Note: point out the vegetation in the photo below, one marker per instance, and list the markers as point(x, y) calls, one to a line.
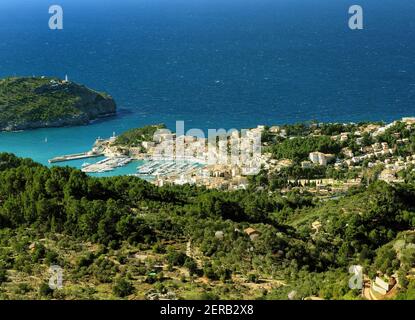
point(122, 237)
point(123, 288)
point(28, 103)
point(299, 148)
point(134, 137)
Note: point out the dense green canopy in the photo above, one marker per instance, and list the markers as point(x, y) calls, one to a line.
point(27, 103)
point(361, 227)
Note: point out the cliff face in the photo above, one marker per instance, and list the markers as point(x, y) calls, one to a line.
point(29, 103)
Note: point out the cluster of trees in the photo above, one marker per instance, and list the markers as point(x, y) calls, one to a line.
point(357, 228)
point(299, 148)
point(134, 137)
point(66, 200)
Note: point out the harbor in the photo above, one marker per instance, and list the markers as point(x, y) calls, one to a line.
point(150, 160)
point(166, 168)
point(106, 165)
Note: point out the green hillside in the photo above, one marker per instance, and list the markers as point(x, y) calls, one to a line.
point(28, 103)
point(122, 237)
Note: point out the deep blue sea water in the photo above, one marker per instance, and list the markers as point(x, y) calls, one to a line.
point(213, 63)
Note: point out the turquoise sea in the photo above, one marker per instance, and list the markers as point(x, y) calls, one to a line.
point(212, 63)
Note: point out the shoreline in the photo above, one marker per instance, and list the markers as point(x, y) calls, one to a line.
point(90, 122)
point(36, 155)
point(224, 173)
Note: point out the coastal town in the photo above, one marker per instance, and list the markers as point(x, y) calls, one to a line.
point(360, 151)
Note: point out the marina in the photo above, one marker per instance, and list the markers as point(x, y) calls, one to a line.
point(166, 168)
point(106, 165)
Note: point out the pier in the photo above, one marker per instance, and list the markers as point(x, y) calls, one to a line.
point(108, 164)
point(76, 156)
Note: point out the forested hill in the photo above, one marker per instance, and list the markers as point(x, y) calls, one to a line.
point(96, 228)
point(28, 103)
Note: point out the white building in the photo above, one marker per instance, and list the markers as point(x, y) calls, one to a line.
point(320, 158)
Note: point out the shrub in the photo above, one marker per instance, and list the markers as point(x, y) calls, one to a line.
point(122, 288)
point(3, 276)
point(45, 290)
